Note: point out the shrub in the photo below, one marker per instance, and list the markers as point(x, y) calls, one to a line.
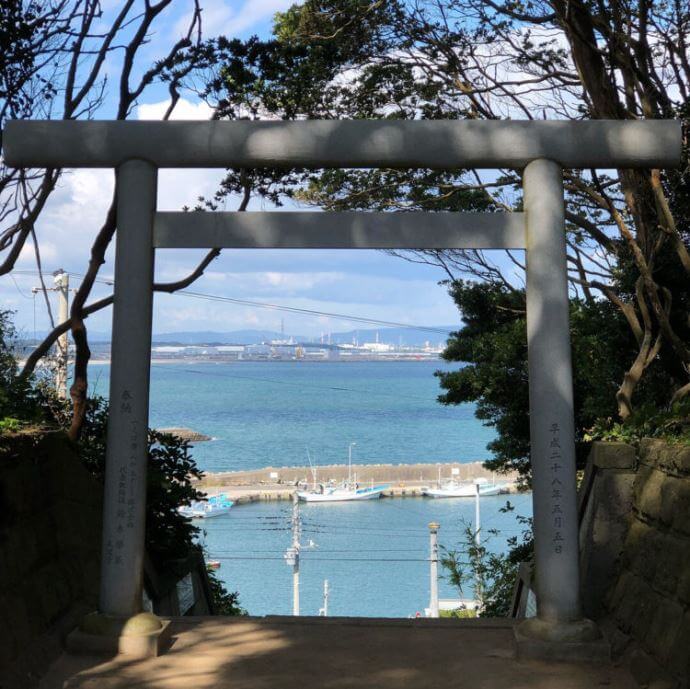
point(492, 575)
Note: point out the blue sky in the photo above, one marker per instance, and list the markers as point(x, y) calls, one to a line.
point(363, 283)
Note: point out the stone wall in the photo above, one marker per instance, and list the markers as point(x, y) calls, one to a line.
point(50, 531)
point(605, 506)
point(649, 598)
point(50, 536)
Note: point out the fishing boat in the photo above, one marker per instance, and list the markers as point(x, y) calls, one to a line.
point(344, 491)
point(452, 488)
point(347, 490)
point(204, 509)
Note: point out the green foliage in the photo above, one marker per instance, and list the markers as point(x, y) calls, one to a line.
point(492, 575)
point(493, 345)
point(11, 425)
point(169, 475)
point(292, 74)
point(647, 421)
point(458, 614)
point(23, 23)
point(20, 399)
point(170, 537)
point(225, 603)
point(170, 472)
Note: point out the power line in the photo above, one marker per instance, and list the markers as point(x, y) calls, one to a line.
point(311, 312)
point(320, 550)
point(21, 294)
point(330, 559)
point(275, 307)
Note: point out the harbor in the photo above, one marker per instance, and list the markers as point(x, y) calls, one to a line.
point(401, 480)
point(263, 431)
point(373, 553)
point(492, 196)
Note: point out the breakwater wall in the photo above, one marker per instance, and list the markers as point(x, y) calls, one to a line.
point(405, 480)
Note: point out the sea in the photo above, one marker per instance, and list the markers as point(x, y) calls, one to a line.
point(373, 554)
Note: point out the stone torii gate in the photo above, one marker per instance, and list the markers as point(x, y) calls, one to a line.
point(541, 149)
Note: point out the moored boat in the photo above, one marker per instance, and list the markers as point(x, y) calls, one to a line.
point(347, 490)
point(204, 509)
point(344, 491)
point(457, 489)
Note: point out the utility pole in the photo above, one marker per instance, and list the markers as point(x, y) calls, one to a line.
point(478, 542)
point(61, 282)
point(326, 593)
point(61, 286)
point(477, 516)
point(292, 554)
point(433, 558)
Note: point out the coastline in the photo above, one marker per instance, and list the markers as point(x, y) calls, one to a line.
point(219, 360)
point(405, 480)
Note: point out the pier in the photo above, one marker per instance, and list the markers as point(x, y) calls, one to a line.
point(404, 480)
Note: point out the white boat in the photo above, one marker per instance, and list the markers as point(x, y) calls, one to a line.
point(457, 489)
point(347, 490)
point(344, 491)
point(204, 509)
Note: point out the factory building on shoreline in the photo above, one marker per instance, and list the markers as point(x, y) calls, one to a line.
point(287, 350)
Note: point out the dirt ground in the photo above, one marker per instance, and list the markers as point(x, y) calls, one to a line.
point(333, 653)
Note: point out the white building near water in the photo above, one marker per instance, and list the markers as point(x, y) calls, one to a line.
point(377, 347)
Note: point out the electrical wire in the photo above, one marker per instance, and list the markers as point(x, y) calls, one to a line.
point(311, 312)
point(21, 294)
point(323, 550)
point(329, 559)
point(274, 307)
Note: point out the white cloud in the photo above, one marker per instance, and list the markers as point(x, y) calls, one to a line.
point(419, 305)
point(184, 110)
point(298, 282)
point(90, 188)
point(224, 17)
point(215, 15)
point(255, 11)
point(177, 188)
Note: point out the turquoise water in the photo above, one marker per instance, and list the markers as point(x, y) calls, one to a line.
point(373, 553)
point(267, 413)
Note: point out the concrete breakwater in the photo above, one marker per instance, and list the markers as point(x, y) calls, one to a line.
point(405, 480)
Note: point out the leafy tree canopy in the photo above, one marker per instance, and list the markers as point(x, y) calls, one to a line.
point(628, 232)
point(493, 345)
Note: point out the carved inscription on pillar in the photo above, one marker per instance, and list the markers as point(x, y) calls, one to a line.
point(556, 472)
point(127, 477)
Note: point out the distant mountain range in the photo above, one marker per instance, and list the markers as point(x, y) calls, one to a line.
point(394, 336)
